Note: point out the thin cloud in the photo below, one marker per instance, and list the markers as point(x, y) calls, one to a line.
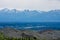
point(53, 0)
point(44, 5)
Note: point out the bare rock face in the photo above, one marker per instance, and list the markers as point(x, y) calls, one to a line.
point(41, 35)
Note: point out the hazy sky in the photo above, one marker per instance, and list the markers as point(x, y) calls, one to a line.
point(43, 5)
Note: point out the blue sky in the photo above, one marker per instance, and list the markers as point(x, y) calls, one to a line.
point(43, 5)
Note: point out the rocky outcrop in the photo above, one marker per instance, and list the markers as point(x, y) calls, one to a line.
point(41, 35)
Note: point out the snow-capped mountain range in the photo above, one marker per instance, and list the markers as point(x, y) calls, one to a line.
point(14, 15)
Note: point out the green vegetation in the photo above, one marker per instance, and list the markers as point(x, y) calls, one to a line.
point(2, 37)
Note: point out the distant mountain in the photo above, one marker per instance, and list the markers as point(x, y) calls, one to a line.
point(14, 15)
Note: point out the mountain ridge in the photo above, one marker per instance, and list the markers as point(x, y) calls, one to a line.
point(15, 15)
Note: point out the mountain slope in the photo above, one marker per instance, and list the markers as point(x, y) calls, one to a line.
point(39, 35)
